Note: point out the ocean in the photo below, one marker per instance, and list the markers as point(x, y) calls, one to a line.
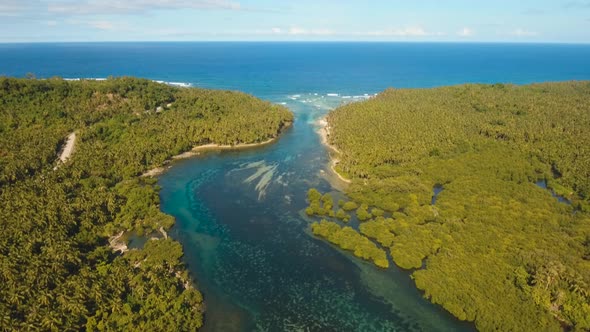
point(246, 241)
point(274, 69)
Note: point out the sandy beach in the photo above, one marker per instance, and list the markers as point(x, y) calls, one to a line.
point(217, 147)
point(197, 150)
point(324, 132)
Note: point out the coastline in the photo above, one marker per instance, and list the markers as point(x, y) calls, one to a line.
point(197, 150)
point(333, 152)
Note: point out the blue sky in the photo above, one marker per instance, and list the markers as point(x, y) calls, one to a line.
point(304, 20)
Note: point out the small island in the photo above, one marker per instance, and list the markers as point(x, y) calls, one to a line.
point(71, 158)
point(482, 192)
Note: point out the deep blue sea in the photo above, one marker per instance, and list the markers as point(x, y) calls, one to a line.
point(239, 214)
point(270, 69)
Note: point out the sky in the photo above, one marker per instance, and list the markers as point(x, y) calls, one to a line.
point(565, 21)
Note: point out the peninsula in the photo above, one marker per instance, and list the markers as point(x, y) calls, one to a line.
point(65, 262)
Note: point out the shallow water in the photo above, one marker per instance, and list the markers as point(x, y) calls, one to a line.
point(543, 185)
point(249, 248)
point(436, 190)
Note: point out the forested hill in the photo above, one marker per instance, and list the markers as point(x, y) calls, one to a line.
point(57, 270)
point(494, 246)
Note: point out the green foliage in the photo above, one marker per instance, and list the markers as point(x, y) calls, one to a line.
point(110, 115)
point(379, 229)
point(377, 212)
point(313, 195)
point(57, 269)
point(349, 206)
point(149, 305)
point(362, 212)
point(328, 202)
point(320, 205)
point(349, 239)
point(492, 237)
point(342, 215)
point(139, 207)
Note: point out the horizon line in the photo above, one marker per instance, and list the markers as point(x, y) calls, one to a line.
point(301, 41)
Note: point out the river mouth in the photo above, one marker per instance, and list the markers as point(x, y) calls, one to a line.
point(271, 71)
point(249, 248)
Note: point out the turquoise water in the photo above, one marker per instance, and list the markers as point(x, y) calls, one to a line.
point(239, 213)
point(247, 244)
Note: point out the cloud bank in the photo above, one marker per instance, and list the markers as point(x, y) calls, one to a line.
point(385, 33)
point(96, 7)
point(466, 32)
point(523, 33)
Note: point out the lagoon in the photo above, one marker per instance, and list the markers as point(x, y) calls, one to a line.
point(239, 217)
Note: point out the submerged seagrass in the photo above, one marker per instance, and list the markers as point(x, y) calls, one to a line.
point(490, 245)
point(58, 270)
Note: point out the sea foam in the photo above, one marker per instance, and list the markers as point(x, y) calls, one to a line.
point(178, 84)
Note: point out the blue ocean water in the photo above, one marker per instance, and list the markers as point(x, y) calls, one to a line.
point(239, 214)
point(266, 69)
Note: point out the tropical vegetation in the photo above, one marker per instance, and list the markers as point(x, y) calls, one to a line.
point(506, 243)
point(58, 269)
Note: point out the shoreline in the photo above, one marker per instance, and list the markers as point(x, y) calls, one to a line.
point(197, 150)
point(324, 132)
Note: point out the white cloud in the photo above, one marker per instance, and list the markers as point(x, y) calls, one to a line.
point(311, 32)
point(102, 25)
point(15, 7)
point(523, 33)
point(96, 7)
point(295, 31)
point(51, 23)
point(409, 32)
point(466, 32)
point(403, 32)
